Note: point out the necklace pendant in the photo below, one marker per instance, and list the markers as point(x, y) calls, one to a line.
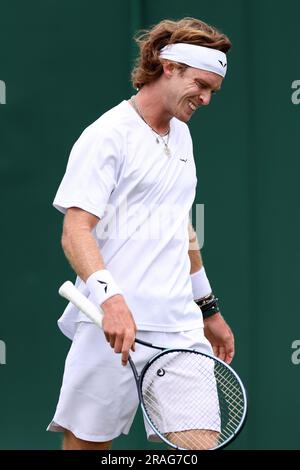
point(167, 151)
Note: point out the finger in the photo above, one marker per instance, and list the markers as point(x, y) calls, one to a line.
point(216, 350)
point(112, 339)
point(229, 357)
point(128, 342)
point(133, 347)
point(229, 350)
point(125, 355)
point(222, 353)
point(118, 344)
point(229, 353)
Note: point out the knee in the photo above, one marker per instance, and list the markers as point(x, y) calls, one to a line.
point(72, 442)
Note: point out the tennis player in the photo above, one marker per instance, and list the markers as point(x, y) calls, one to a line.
point(128, 188)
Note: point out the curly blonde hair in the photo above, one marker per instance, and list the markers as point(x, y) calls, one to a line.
point(148, 66)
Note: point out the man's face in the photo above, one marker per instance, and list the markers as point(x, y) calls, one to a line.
point(189, 90)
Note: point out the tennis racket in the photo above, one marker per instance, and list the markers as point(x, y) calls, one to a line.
point(191, 400)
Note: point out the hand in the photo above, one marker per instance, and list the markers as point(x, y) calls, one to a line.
point(119, 326)
point(220, 336)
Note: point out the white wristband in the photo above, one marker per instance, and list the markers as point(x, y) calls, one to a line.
point(200, 283)
point(102, 286)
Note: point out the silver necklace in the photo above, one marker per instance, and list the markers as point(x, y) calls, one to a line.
point(158, 136)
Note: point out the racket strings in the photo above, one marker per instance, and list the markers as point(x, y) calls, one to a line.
point(231, 398)
point(192, 400)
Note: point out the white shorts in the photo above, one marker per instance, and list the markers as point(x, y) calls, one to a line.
point(98, 398)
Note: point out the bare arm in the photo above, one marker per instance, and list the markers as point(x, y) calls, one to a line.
point(83, 253)
point(194, 252)
point(79, 245)
point(215, 328)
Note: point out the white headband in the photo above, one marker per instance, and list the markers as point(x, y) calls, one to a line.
point(200, 57)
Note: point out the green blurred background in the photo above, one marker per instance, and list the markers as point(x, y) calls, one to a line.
point(64, 63)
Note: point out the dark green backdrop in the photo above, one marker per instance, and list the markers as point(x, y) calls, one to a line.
point(64, 63)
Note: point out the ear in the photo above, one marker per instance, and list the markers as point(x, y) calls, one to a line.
point(169, 68)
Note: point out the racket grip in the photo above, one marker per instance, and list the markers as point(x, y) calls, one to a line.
point(71, 293)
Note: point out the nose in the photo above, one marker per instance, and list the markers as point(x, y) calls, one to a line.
point(205, 98)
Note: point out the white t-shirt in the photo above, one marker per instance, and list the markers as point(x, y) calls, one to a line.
point(118, 170)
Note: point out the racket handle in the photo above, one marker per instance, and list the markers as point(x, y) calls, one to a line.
point(71, 293)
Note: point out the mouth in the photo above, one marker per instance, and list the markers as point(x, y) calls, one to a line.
point(193, 106)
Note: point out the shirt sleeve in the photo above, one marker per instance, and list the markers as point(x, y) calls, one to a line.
point(92, 172)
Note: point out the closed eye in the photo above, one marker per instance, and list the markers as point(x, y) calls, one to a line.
point(200, 85)
point(203, 86)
